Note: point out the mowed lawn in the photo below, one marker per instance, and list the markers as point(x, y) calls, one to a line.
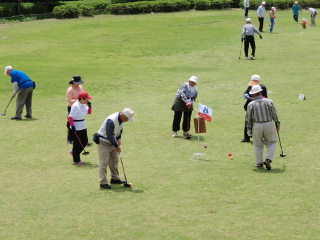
point(140, 61)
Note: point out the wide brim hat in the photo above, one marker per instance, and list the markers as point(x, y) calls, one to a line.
point(255, 89)
point(76, 79)
point(194, 79)
point(255, 80)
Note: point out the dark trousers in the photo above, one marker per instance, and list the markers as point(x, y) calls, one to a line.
point(295, 17)
point(246, 12)
point(79, 146)
point(185, 123)
point(245, 131)
point(261, 20)
point(249, 39)
point(70, 132)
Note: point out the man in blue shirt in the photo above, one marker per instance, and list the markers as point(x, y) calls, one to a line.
point(295, 9)
point(23, 86)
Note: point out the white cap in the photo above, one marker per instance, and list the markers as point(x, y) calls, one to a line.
point(263, 3)
point(129, 114)
point(193, 79)
point(255, 78)
point(248, 20)
point(7, 69)
point(255, 89)
point(274, 9)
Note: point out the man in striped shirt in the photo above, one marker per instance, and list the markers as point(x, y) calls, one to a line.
point(260, 114)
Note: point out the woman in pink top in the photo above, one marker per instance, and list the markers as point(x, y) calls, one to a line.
point(72, 96)
point(272, 18)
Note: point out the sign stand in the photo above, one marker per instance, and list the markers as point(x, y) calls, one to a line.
point(200, 127)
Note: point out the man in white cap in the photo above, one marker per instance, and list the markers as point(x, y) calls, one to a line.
point(261, 15)
point(183, 104)
point(260, 114)
point(109, 146)
point(255, 80)
point(248, 37)
point(23, 86)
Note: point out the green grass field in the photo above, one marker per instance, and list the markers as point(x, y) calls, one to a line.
point(139, 62)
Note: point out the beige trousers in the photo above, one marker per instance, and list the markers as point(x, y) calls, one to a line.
point(264, 134)
point(108, 156)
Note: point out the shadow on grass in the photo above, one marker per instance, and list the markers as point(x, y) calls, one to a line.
point(87, 165)
point(121, 188)
point(30, 119)
point(273, 170)
point(192, 139)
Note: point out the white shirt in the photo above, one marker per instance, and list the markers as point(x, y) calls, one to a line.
point(79, 112)
point(246, 4)
point(261, 11)
point(312, 11)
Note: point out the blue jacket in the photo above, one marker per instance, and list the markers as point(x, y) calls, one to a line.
point(296, 9)
point(21, 78)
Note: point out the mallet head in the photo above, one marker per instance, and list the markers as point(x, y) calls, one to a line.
point(128, 185)
point(85, 153)
point(282, 155)
point(3, 114)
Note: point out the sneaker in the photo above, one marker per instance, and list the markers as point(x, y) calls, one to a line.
point(245, 140)
point(27, 116)
point(116, 181)
point(105, 186)
point(175, 135)
point(16, 118)
point(267, 162)
point(246, 58)
point(186, 134)
point(252, 57)
point(79, 163)
point(71, 152)
point(259, 165)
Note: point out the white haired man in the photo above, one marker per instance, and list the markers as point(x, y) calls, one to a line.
point(260, 114)
point(23, 86)
point(248, 37)
point(109, 146)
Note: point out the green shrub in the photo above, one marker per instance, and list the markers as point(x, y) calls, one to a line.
point(211, 4)
point(8, 9)
point(66, 11)
point(98, 6)
point(32, 8)
point(148, 6)
point(86, 11)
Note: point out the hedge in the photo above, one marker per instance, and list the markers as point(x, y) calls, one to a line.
point(148, 7)
point(211, 4)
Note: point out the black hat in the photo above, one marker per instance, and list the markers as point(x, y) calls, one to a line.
point(76, 79)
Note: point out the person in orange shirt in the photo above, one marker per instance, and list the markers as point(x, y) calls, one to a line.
point(72, 96)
